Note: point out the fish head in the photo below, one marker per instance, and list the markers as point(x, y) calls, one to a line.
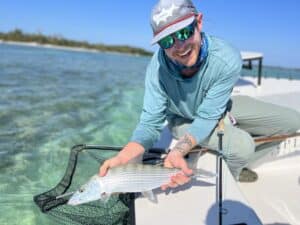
point(88, 192)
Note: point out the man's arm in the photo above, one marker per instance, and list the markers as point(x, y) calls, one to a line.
point(215, 102)
point(153, 115)
point(151, 121)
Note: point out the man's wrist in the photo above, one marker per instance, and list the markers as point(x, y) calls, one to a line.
point(175, 151)
point(130, 151)
point(184, 144)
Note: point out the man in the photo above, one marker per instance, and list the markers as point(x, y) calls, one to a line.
point(189, 83)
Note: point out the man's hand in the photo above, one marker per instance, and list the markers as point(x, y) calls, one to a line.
point(110, 163)
point(128, 153)
point(176, 159)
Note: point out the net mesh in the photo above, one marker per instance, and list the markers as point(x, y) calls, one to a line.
point(84, 160)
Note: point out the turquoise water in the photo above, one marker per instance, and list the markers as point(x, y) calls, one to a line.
point(51, 100)
point(274, 72)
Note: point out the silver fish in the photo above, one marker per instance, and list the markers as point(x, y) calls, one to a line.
point(128, 178)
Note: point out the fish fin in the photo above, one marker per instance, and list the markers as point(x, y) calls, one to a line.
point(192, 159)
point(150, 195)
point(105, 197)
point(202, 173)
point(192, 162)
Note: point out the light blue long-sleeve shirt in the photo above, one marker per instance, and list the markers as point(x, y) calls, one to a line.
point(200, 100)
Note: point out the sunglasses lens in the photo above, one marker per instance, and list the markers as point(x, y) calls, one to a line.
point(185, 33)
point(166, 42)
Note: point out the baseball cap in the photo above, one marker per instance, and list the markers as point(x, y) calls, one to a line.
point(169, 16)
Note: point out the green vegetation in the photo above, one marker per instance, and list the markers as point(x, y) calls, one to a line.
point(19, 36)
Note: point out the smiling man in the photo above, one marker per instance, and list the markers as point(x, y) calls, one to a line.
point(188, 83)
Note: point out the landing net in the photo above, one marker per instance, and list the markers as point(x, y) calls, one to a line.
point(83, 163)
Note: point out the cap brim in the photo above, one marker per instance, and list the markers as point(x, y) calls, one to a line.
point(171, 29)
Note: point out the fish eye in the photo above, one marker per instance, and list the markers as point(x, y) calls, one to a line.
point(81, 190)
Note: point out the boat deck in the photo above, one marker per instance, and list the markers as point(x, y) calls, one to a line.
point(273, 199)
point(278, 91)
point(195, 203)
point(275, 196)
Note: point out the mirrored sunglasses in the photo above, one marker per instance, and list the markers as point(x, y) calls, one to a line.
point(181, 35)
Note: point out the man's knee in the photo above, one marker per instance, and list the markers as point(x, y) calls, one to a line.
point(239, 147)
point(237, 143)
point(293, 122)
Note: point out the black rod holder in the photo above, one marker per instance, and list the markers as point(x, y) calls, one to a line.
point(220, 171)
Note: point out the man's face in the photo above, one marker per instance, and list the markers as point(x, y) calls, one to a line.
point(186, 52)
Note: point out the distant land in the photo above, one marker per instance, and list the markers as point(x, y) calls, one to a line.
point(18, 35)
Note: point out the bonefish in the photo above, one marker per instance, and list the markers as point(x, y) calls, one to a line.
point(127, 179)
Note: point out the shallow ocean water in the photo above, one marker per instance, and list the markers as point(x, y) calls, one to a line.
point(51, 100)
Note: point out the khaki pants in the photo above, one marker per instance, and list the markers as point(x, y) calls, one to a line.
point(254, 118)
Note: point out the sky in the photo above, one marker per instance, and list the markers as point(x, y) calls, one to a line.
point(268, 26)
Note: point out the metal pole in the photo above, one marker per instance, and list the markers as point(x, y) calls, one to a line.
point(219, 170)
point(259, 71)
